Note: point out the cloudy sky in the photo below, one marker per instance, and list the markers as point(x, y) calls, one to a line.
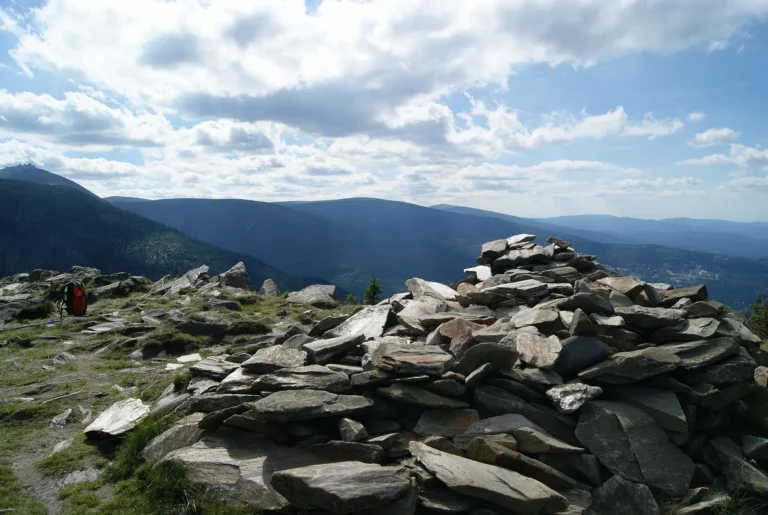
point(645, 108)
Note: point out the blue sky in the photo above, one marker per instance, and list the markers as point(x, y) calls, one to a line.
point(641, 108)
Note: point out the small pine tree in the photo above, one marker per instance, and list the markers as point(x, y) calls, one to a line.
point(373, 291)
point(351, 299)
point(757, 316)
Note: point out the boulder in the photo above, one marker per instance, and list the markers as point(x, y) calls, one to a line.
point(662, 405)
point(540, 318)
point(579, 353)
point(617, 496)
point(690, 330)
point(538, 351)
point(323, 351)
point(501, 424)
point(531, 441)
point(274, 358)
point(269, 289)
point(370, 321)
point(326, 324)
point(521, 494)
point(741, 475)
point(290, 406)
point(118, 419)
point(420, 288)
point(629, 286)
point(699, 354)
point(184, 434)
point(412, 359)
point(214, 367)
point(236, 277)
point(445, 422)
point(499, 356)
point(630, 367)
point(629, 443)
point(409, 394)
point(310, 377)
point(581, 325)
point(343, 487)
point(735, 369)
point(352, 430)
point(569, 398)
point(588, 302)
point(318, 295)
point(650, 318)
point(695, 293)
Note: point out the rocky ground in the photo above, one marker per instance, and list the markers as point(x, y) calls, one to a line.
point(542, 383)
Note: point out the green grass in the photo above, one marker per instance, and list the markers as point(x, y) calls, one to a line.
point(741, 503)
point(12, 498)
point(35, 311)
point(128, 458)
point(78, 456)
point(181, 380)
point(17, 433)
point(172, 342)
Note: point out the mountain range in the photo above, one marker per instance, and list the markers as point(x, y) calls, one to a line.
point(345, 241)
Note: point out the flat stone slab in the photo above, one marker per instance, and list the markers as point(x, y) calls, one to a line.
point(274, 358)
point(118, 419)
point(702, 353)
point(310, 377)
point(488, 482)
point(324, 351)
point(412, 359)
point(630, 367)
point(409, 394)
point(343, 487)
point(371, 322)
point(447, 422)
point(289, 406)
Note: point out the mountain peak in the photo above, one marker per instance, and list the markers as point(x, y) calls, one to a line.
point(31, 173)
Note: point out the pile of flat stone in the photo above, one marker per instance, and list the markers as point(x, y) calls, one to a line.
point(542, 383)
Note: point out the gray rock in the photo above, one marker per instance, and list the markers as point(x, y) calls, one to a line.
point(735, 369)
point(344, 487)
point(62, 446)
point(181, 435)
point(517, 257)
point(489, 483)
point(445, 422)
point(274, 358)
point(540, 379)
point(326, 324)
point(371, 378)
point(323, 351)
point(413, 395)
point(629, 443)
point(412, 359)
point(218, 402)
point(619, 300)
point(518, 388)
point(493, 249)
point(60, 420)
point(581, 467)
point(500, 357)
point(236, 277)
point(493, 453)
point(200, 385)
point(310, 377)
point(531, 441)
point(420, 288)
point(581, 325)
point(650, 318)
point(540, 318)
point(755, 447)
point(81, 476)
point(588, 303)
point(695, 293)
point(443, 500)
point(617, 496)
point(629, 286)
point(699, 354)
point(477, 375)
point(449, 387)
point(336, 450)
point(578, 353)
point(289, 406)
point(298, 341)
point(501, 424)
point(738, 331)
point(63, 358)
point(690, 330)
point(118, 419)
point(226, 304)
point(269, 289)
point(352, 430)
point(214, 367)
point(604, 321)
point(481, 272)
point(538, 351)
point(630, 367)
point(662, 405)
point(569, 398)
point(741, 474)
point(557, 242)
point(371, 322)
point(317, 295)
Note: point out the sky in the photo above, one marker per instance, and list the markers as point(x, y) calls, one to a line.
point(641, 108)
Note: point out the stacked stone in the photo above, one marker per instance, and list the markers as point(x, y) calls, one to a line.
point(543, 383)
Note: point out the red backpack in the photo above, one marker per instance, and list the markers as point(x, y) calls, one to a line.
point(74, 299)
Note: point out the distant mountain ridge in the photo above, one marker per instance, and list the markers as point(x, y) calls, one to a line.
point(31, 173)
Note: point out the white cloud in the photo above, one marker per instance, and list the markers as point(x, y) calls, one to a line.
point(741, 155)
point(746, 184)
point(696, 116)
point(717, 44)
point(712, 137)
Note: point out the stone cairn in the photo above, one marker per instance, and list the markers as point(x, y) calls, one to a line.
point(543, 383)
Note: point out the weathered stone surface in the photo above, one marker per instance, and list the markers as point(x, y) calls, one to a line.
point(490, 452)
point(182, 435)
point(449, 387)
point(741, 474)
point(310, 377)
point(416, 396)
point(489, 483)
point(690, 330)
point(238, 382)
point(698, 354)
point(499, 356)
point(630, 367)
point(477, 375)
point(370, 321)
point(298, 341)
point(540, 318)
point(326, 324)
point(755, 447)
point(629, 443)
point(445, 422)
point(579, 353)
point(214, 367)
point(581, 325)
point(581, 467)
point(236, 277)
point(518, 388)
point(269, 289)
point(118, 419)
point(662, 405)
point(538, 351)
point(480, 272)
point(629, 286)
point(650, 318)
point(218, 402)
point(738, 331)
point(289, 406)
point(352, 430)
point(442, 444)
point(531, 441)
point(344, 487)
point(695, 293)
point(588, 303)
point(493, 249)
point(318, 295)
point(604, 321)
point(619, 300)
point(569, 398)
point(412, 359)
point(443, 500)
point(420, 288)
point(501, 424)
point(735, 369)
point(323, 351)
point(618, 496)
point(274, 358)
